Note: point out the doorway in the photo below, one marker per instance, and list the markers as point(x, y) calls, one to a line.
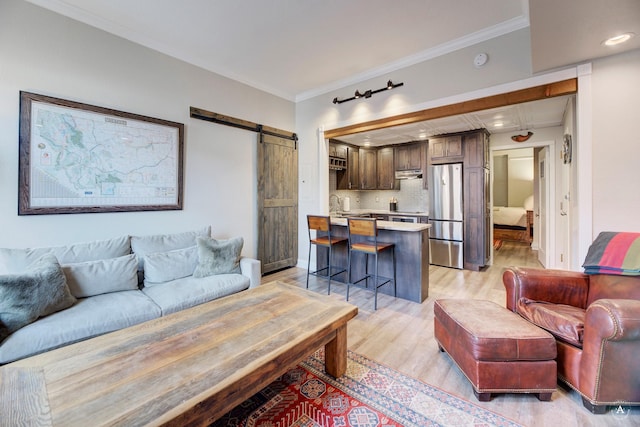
point(543, 186)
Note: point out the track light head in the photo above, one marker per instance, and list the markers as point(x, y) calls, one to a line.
point(389, 85)
point(367, 94)
point(335, 100)
point(357, 94)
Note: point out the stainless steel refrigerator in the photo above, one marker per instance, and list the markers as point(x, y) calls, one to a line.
point(446, 215)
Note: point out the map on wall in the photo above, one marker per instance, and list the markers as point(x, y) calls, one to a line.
point(80, 158)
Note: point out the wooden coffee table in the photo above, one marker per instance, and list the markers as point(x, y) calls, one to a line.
point(190, 367)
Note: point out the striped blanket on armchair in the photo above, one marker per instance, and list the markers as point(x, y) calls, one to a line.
point(614, 253)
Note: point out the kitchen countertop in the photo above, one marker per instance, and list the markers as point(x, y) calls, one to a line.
point(382, 212)
point(388, 225)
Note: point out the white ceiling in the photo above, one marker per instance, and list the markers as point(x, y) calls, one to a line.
point(297, 49)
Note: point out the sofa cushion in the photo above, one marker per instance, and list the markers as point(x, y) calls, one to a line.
point(39, 291)
point(218, 256)
point(90, 278)
point(163, 267)
point(189, 291)
point(153, 243)
point(562, 321)
point(88, 318)
point(16, 260)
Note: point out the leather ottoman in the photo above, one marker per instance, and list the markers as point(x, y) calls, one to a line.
point(496, 349)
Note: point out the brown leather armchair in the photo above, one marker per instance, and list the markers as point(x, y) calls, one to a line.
point(599, 347)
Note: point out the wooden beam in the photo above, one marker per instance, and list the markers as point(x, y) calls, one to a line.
point(565, 87)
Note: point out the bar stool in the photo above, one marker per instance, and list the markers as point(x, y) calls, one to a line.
point(367, 228)
point(322, 226)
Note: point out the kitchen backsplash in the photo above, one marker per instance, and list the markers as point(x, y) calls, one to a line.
point(411, 196)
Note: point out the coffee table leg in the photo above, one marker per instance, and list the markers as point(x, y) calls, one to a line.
point(335, 353)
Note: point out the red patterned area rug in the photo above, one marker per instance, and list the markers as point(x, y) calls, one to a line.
point(368, 395)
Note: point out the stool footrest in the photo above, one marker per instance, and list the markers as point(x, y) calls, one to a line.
point(385, 280)
point(335, 270)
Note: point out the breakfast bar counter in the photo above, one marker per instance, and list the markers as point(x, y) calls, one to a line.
point(412, 257)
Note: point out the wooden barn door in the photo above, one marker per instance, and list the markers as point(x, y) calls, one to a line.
point(277, 202)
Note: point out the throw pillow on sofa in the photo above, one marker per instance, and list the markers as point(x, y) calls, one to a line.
point(149, 244)
point(86, 279)
point(17, 260)
point(37, 292)
point(163, 267)
point(218, 256)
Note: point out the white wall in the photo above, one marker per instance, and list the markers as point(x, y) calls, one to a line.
point(602, 187)
point(616, 143)
point(519, 175)
point(46, 53)
point(440, 81)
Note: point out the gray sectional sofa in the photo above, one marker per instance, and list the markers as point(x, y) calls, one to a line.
point(113, 284)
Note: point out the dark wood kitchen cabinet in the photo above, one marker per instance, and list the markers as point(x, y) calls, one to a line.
point(337, 150)
point(349, 178)
point(476, 149)
point(408, 156)
point(368, 164)
point(337, 156)
point(477, 216)
point(386, 171)
point(446, 149)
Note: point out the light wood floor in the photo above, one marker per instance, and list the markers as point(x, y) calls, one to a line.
point(400, 335)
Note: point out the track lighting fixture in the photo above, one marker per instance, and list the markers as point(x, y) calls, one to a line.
point(368, 93)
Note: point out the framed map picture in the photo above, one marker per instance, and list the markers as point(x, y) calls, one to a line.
point(79, 158)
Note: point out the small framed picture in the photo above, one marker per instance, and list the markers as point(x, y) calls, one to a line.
point(566, 148)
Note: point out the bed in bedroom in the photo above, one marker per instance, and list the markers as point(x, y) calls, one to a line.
point(512, 223)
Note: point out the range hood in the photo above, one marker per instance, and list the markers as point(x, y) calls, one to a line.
point(409, 174)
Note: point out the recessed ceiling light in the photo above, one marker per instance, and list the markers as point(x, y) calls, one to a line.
point(498, 124)
point(612, 41)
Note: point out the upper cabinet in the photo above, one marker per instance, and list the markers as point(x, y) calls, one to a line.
point(337, 150)
point(408, 156)
point(344, 159)
point(446, 149)
point(337, 156)
point(360, 168)
point(476, 149)
point(368, 169)
point(386, 170)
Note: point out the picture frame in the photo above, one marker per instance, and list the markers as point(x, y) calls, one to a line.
point(566, 148)
point(81, 158)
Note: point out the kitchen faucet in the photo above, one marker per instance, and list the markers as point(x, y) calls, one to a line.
point(334, 205)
